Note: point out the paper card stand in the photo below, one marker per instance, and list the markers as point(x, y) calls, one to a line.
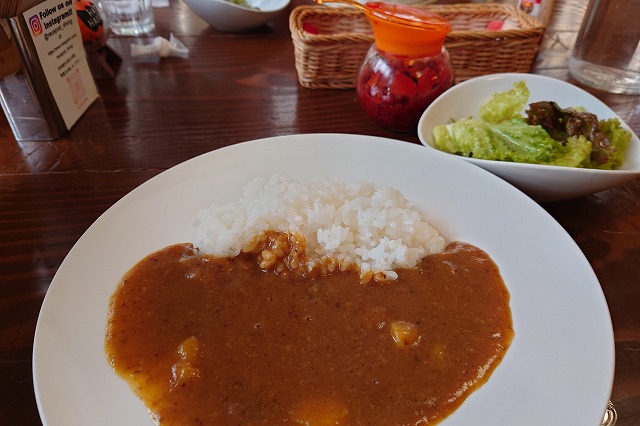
point(46, 81)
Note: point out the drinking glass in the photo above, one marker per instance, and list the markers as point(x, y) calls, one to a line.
point(606, 55)
point(128, 17)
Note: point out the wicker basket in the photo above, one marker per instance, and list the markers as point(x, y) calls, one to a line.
point(330, 42)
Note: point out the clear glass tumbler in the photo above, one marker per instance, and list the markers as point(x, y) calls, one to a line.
point(606, 55)
point(128, 17)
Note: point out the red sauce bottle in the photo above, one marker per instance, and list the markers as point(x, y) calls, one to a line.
point(406, 68)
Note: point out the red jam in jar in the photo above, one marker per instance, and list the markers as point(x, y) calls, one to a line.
point(406, 69)
point(395, 90)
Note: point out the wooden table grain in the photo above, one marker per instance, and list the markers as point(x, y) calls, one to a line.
point(157, 113)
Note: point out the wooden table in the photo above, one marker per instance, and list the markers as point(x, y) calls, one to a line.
point(237, 87)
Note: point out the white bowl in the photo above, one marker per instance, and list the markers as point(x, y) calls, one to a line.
point(230, 17)
point(540, 182)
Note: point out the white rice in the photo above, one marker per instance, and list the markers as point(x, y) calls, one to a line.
point(376, 229)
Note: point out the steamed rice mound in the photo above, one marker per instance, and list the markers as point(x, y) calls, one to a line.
point(375, 229)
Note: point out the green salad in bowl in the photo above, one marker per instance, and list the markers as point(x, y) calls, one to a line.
point(548, 134)
point(549, 138)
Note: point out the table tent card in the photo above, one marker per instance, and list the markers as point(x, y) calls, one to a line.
point(46, 93)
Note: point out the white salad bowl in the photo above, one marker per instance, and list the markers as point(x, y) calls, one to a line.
point(226, 16)
point(542, 183)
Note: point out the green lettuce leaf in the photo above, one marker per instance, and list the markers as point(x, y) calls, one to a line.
point(574, 154)
point(511, 140)
point(619, 139)
point(506, 105)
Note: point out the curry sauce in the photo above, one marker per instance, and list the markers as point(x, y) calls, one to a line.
point(220, 341)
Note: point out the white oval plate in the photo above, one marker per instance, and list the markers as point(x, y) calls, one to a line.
point(558, 371)
point(543, 183)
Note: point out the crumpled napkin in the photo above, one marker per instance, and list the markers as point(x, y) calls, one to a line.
point(161, 47)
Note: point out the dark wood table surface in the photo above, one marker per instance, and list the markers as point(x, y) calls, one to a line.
point(157, 113)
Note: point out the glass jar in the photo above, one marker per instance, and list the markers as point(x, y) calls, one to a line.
point(406, 68)
point(395, 90)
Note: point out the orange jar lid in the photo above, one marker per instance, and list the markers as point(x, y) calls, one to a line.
point(405, 30)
